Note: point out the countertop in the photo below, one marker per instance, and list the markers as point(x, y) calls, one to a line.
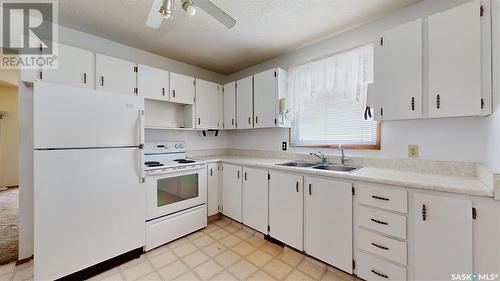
point(444, 183)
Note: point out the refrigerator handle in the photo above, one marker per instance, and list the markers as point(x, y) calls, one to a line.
point(141, 147)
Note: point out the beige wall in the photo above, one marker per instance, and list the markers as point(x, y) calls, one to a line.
point(9, 136)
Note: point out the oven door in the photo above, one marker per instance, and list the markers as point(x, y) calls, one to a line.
point(174, 191)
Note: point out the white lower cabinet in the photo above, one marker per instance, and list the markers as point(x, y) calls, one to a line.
point(255, 198)
point(232, 191)
point(286, 208)
point(443, 237)
point(213, 189)
point(328, 221)
point(373, 268)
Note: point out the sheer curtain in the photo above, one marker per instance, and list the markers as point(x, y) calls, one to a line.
point(328, 98)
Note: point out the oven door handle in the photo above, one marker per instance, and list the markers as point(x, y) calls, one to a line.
point(170, 171)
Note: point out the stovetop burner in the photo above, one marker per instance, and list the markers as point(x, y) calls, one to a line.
point(184, 161)
point(153, 164)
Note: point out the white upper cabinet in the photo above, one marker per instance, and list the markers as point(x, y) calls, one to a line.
point(115, 75)
point(443, 237)
point(454, 41)
point(398, 73)
point(232, 191)
point(229, 92)
point(221, 108)
point(328, 221)
point(255, 198)
point(244, 103)
point(207, 104)
point(182, 89)
point(286, 208)
point(152, 83)
point(76, 67)
point(269, 87)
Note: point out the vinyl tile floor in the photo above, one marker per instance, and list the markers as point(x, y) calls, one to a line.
point(224, 250)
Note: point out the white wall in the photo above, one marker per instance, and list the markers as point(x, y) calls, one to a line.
point(458, 139)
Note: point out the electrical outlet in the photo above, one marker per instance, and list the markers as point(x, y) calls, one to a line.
point(413, 151)
point(284, 146)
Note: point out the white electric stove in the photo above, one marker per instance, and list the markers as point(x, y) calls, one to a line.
point(176, 192)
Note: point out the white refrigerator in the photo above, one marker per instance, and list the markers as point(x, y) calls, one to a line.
point(89, 200)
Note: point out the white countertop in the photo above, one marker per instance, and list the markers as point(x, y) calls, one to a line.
point(444, 183)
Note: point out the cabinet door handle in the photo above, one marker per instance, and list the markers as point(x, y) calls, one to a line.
point(310, 189)
point(297, 186)
point(380, 246)
point(238, 174)
point(380, 198)
point(256, 119)
point(84, 78)
point(173, 93)
point(379, 222)
point(424, 212)
point(381, 111)
point(413, 103)
point(245, 175)
point(438, 101)
point(102, 81)
point(163, 91)
point(199, 121)
point(232, 121)
point(249, 120)
point(211, 172)
point(379, 274)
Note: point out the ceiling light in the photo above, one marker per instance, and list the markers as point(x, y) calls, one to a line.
point(189, 7)
point(166, 8)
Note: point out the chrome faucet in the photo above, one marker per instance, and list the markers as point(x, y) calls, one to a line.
point(320, 156)
point(343, 158)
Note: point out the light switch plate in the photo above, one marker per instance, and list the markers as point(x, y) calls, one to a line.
point(413, 151)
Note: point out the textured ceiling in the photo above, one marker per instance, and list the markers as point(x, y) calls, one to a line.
point(264, 28)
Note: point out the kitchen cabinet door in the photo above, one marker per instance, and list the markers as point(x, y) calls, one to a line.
point(443, 237)
point(207, 104)
point(244, 103)
point(115, 75)
point(182, 88)
point(152, 83)
point(220, 123)
point(230, 105)
point(231, 191)
point(255, 198)
point(265, 99)
point(454, 40)
point(76, 67)
point(398, 73)
point(285, 208)
point(213, 189)
point(328, 221)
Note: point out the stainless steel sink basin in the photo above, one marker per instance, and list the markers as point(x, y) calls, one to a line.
point(337, 168)
point(297, 164)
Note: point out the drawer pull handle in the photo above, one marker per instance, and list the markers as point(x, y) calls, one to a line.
point(379, 274)
point(424, 212)
point(380, 247)
point(379, 222)
point(380, 198)
point(297, 186)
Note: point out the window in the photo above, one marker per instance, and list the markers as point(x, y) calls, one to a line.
point(328, 99)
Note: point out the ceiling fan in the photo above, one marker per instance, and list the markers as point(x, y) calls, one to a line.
point(163, 9)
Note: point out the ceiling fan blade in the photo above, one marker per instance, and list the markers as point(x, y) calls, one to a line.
point(155, 18)
point(215, 12)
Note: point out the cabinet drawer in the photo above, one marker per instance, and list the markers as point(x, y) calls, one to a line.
point(382, 221)
point(383, 197)
point(380, 245)
point(372, 268)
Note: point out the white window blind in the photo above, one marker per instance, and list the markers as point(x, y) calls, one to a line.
point(328, 99)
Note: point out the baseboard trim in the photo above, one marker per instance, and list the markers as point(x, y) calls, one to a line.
point(25, 260)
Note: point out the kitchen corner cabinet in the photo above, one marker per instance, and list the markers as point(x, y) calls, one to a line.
point(182, 88)
point(76, 67)
point(115, 75)
point(286, 208)
point(443, 237)
point(244, 103)
point(232, 191)
point(213, 189)
point(152, 83)
point(255, 198)
point(328, 221)
point(207, 104)
point(267, 90)
point(229, 94)
point(398, 73)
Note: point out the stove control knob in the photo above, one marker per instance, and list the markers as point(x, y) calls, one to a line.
point(176, 146)
point(181, 145)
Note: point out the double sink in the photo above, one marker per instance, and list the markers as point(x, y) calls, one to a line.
point(321, 166)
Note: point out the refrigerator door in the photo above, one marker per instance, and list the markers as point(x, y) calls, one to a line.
point(75, 117)
point(88, 207)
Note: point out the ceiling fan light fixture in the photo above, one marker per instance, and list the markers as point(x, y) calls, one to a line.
point(166, 8)
point(189, 7)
